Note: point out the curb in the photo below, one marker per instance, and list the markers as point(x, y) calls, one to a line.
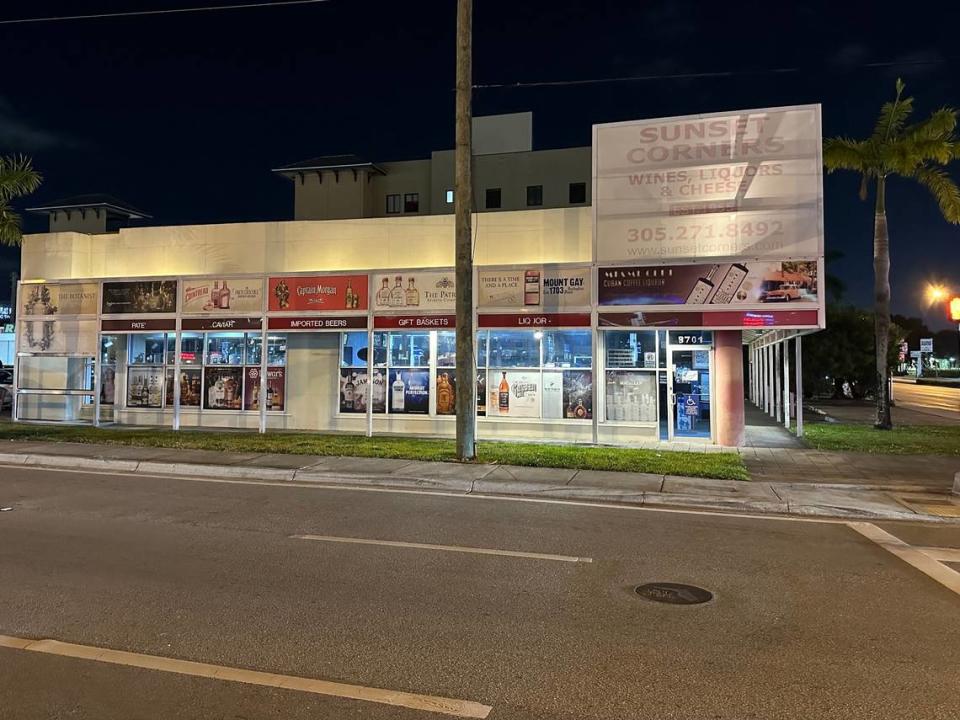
point(478, 488)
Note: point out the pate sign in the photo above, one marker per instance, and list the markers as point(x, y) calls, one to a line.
point(207, 295)
point(59, 299)
point(414, 291)
point(534, 288)
point(746, 183)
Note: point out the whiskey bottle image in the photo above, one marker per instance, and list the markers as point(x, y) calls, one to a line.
point(727, 289)
point(702, 289)
point(444, 395)
point(413, 295)
point(397, 296)
point(215, 295)
point(270, 397)
point(397, 394)
point(383, 294)
point(503, 395)
point(531, 287)
point(349, 390)
point(348, 297)
point(224, 297)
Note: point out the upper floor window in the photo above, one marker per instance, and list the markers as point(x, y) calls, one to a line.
point(534, 195)
point(411, 203)
point(393, 204)
point(578, 193)
point(449, 196)
point(493, 198)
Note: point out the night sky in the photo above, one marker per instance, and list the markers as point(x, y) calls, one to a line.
point(184, 115)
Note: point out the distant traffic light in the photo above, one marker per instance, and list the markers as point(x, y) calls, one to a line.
point(953, 309)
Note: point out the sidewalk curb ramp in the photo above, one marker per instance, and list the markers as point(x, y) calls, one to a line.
point(482, 487)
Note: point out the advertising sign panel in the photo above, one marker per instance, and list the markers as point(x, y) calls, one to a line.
point(409, 392)
point(513, 393)
point(353, 390)
point(926, 345)
point(318, 293)
point(44, 337)
point(276, 386)
point(140, 297)
point(208, 295)
point(534, 288)
point(59, 299)
point(746, 183)
point(414, 291)
point(223, 388)
point(727, 319)
point(344, 322)
point(711, 285)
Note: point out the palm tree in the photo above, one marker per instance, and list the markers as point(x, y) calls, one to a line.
point(17, 178)
point(919, 151)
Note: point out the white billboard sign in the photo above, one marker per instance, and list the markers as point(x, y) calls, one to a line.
point(740, 184)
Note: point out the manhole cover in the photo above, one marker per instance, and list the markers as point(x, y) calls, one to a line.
point(674, 593)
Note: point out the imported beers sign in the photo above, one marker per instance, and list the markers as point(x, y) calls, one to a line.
point(59, 299)
point(221, 295)
point(534, 288)
point(743, 183)
point(318, 293)
point(412, 291)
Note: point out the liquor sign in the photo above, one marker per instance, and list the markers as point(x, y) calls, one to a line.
point(138, 325)
point(415, 322)
point(321, 322)
point(729, 319)
point(145, 296)
point(710, 285)
point(534, 288)
point(56, 336)
point(409, 392)
point(745, 183)
point(221, 324)
point(525, 320)
point(414, 291)
point(353, 390)
point(206, 295)
point(318, 293)
point(59, 299)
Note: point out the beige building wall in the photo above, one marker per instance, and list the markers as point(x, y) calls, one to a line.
point(332, 195)
point(402, 178)
point(527, 236)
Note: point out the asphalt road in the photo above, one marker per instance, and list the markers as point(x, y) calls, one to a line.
point(931, 399)
point(809, 620)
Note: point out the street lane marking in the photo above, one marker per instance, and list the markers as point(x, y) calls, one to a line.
point(922, 561)
point(942, 554)
point(428, 703)
point(448, 548)
point(440, 493)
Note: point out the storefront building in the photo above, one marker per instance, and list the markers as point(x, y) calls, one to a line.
point(348, 325)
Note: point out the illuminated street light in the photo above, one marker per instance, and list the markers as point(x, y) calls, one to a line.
point(936, 293)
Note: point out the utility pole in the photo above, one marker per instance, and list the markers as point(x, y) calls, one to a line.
point(466, 405)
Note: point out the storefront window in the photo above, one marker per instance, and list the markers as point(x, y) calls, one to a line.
point(514, 348)
point(146, 349)
point(191, 349)
point(631, 396)
point(354, 349)
point(409, 349)
point(567, 348)
point(225, 348)
point(190, 391)
point(631, 349)
point(446, 349)
point(276, 349)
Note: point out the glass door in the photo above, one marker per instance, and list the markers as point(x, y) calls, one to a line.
point(689, 392)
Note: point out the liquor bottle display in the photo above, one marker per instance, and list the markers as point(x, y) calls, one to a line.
point(349, 388)
point(224, 297)
point(445, 395)
point(413, 295)
point(215, 295)
point(397, 393)
point(383, 294)
point(348, 298)
point(503, 395)
point(531, 287)
point(397, 296)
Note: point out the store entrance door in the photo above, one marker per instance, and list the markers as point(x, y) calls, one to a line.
point(690, 370)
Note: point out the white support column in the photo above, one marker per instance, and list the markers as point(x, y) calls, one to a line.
point(751, 366)
point(768, 382)
point(370, 369)
point(97, 378)
point(264, 387)
point(799, 383)
point(786, 384)
point(762, 379)
point(776, 382)
point(177, 390)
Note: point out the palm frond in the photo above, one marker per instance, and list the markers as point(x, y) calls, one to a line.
point(10, 229)
point(904, 155)
point(17, 176)
point(939, 126)
point(893, 116)
point(841, 153)
point(943, 189)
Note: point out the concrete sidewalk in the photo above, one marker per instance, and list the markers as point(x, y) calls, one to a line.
point(885, 500)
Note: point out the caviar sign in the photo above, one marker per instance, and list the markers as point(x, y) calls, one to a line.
point(745, 184)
